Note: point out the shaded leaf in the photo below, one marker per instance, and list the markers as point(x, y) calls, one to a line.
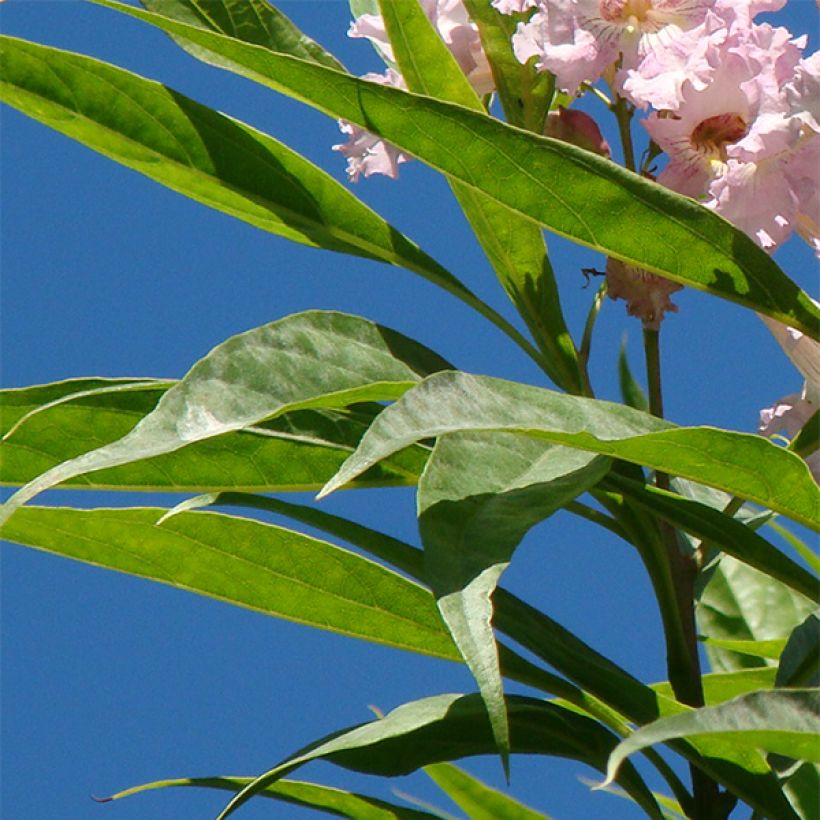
point(477, 498)
point(800, 661)
point(746, 465)
point(46, 425)
point(631, 392)
point(570, 191)
point(295, 792)
point(722, 531)
point(252, 21)
point(783, 721)
point(478, 800)
point(269, 569)
point(448, 727)
point(312, 359)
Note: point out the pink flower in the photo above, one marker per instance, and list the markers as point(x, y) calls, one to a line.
point(791, 413)
point(367, 153)
point(735, 132)
point(576, 126)
point(577, 40)
point(455, 28)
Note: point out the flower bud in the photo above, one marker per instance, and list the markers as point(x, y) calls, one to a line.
point(578, 128)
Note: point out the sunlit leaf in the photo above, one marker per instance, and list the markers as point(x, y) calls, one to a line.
point(272, 570)
point(253, 21)
point(786, 721)
point(722, 686)
point(478, 800)
point(574, 193)
point(514, 245)
point(477, 498)
point(312, 359)
point(757, 649)
point(746, 465)
point(48, 424)
point(206, 156)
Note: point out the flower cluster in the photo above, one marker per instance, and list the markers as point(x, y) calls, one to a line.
point(733, 103)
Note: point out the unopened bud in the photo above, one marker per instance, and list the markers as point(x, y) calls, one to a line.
point(577, 127)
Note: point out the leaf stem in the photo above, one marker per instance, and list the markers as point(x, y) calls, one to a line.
point(623, 114)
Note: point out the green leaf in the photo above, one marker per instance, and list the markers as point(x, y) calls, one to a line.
point(514, 245)
point(269, 569)
point(721, 530)
point(525, 93)
point(782, 721)
point(756, 649)
point(738, 602)
point(722, 686)
point(802, 788)
point(312, 359)
point(572, 192)
point(745, 465)
point(252, 21)
point(448, 727)
point(46, 425)
point(799, 546)
point(294, 792)
point(477, 498)
point(800, 661)
point(206, 156)
point(478, 800)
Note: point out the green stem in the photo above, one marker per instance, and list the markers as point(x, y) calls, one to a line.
point(682, 646)
point(623, 114)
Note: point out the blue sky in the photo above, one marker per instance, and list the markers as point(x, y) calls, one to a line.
point(109, 680)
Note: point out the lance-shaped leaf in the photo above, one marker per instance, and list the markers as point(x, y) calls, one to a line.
point(253, 21)
point(272, 570)
point(745, 465)
point(799, 662)
point(721, 530)
point(570, 191)
point(295, 792)
point(514, 245)
point(206, 156)
point(786, 721)
point(477, 498)
point(478, 800)
point(312, 359)
point(45, 425)
point(449, 727)
point(738, 602)
point(722, 686)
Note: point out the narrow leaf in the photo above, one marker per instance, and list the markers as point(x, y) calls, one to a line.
point(722, 686)
point(272, 570)
point(570, 191)
point(311, 359)
point(745, 465)
point(477, 498)
point(757, 649)
point(478, 800)
point(252, 21)
point(631, 392)
point(782, 721)
point(204, 155)
point(46, 425)
point(721, 530)
point(448, 727)
point(295, 792)
point(514, 245)
point(800, 661)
